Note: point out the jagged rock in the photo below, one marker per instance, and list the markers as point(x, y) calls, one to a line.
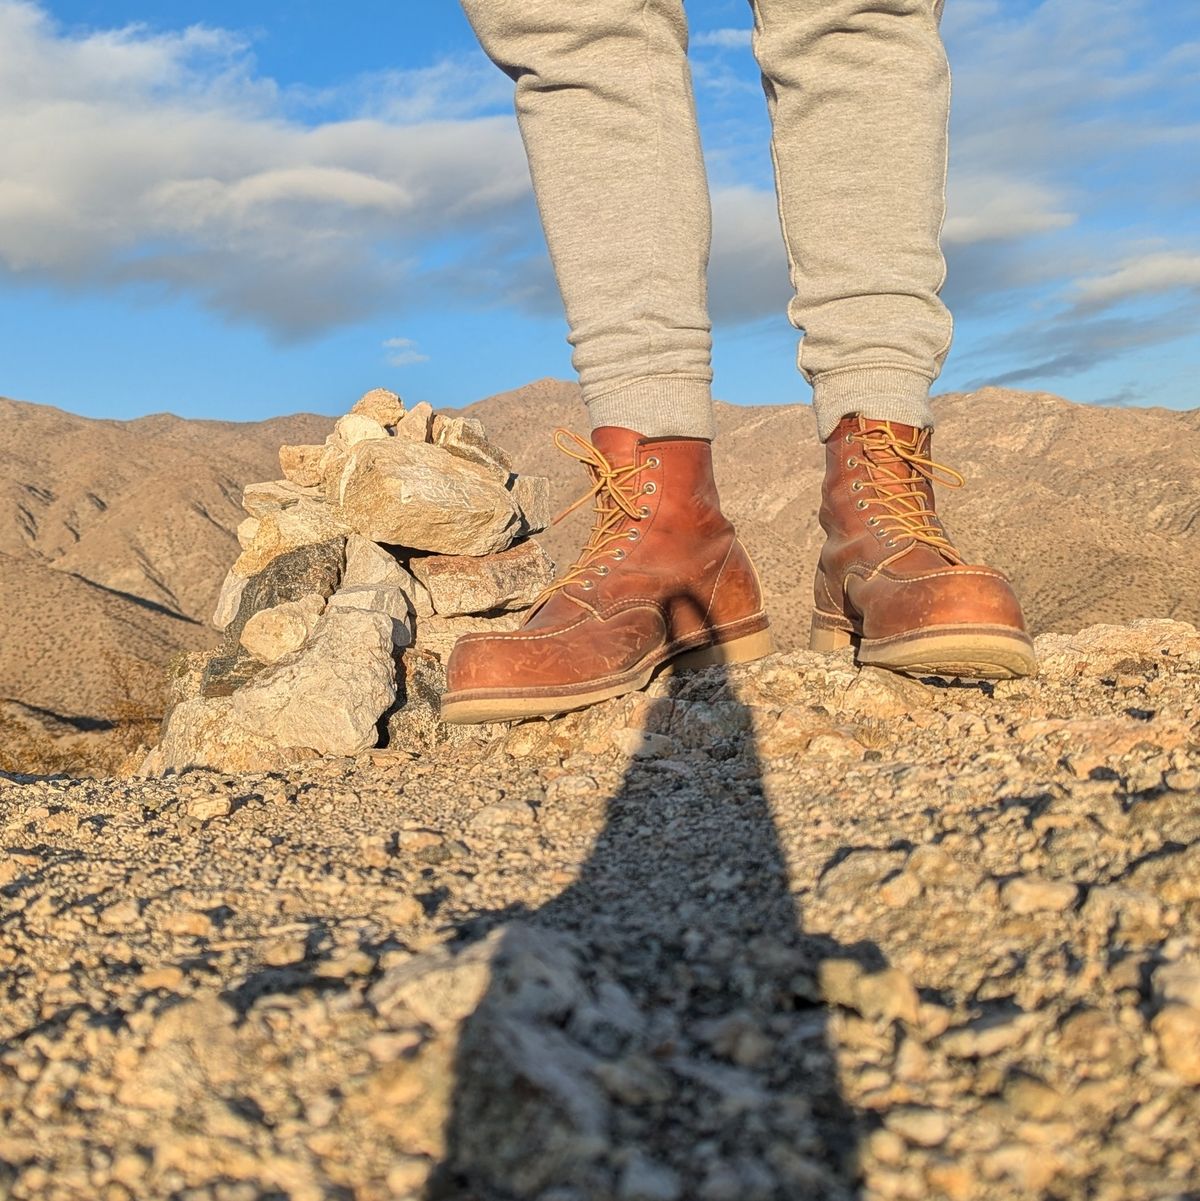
point(260, 499)
point(415, 424)
point(229, 599)
point(381, 405)
point(357, 427)
point(378, 598)
point(306, 523)
point(438, 635)
point(465, 437)
point(415, 722)
point(271, 634)
point(1095, 650)
point(532, 496)
point(302, 464)
point(464, 584)
point(307, 569)
point(326, 699)
point(369, 565)
point(247, 531)
point(1177, 1028)
point(420, 496)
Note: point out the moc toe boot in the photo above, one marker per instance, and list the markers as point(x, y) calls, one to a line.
point(663, 582)
point(889, 579)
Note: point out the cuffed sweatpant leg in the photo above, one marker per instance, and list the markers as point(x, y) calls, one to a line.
point(605, 105)
point(859, 93)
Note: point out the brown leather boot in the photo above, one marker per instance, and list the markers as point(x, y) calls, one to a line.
point(889, 578)
point(663, 580)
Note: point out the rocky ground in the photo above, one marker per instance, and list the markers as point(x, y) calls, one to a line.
point(795, 932)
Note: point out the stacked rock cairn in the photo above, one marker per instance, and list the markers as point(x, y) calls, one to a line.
point(358, 572)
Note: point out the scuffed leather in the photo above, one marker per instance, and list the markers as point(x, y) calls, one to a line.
point(685, 581)
point(920, 589)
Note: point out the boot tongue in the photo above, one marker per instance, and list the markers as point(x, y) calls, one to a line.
point(617, 444)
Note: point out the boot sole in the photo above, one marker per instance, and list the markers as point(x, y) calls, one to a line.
point(465, 709)
point(973, 651)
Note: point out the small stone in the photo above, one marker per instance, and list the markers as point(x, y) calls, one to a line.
point(302, 464)
point(1179, 983)
point(229, 599)
point(306, 523)
point(532, 496)
point(1032, 1098)
point(390, 602)
point(272, 634)
point(465, 437)
point(247, 531)
point(1177, 1028)
point(120, 915)
point(504, 813)
point(189, 925)
point(924, 1127)
point(357, 427)
point(645, 1180)
point(351, 963)
point(207, 809)
point(1032, 894)
point(381, 405)
point(462, 584)
point(260, 499)
point(415, 424)
point(167, 978)
point(285, 952)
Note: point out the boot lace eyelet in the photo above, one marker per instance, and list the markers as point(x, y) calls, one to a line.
point(618, 554)
point(872, 521)
point(849, 439)
point(862, 504)
point(856, 486)
point(632, 535)
point(601, 570)
point(852, 462)
point(651, 487)
point(653, 461)
point(644, 511)
point(890, 543)
point(587, 585)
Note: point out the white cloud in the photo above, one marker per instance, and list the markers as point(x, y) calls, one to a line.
point(162, 161)
point(1146, 275)
point(987, 207)
point(403, 352)
point(722, 39)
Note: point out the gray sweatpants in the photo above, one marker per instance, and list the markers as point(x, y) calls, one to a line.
point(858, 93)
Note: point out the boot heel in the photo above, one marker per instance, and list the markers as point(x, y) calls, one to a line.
point(738, 650)
point(826, 639)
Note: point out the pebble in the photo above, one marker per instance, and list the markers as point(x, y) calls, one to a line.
point(1032, 894)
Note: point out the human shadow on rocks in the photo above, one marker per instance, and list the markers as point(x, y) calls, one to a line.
point(655, 1032)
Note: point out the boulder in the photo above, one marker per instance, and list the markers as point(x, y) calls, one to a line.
point(463, 584)
point(229, 599)
point(357, 427)
point(326, 699)
point(271, 634)
point(307, 569)
point(379, 598)
point(381, 405)
point(465, 437)
point(414, 426)
point(420, 496)
point(260, 499)
point(531, 493)
point(306, 523)
point(302, 464)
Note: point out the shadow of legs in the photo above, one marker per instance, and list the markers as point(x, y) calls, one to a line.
point(655, 1031)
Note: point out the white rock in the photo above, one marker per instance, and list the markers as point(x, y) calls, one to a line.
point(415, 425)
point(378, 598)
point(301, 464)
point(357, 427)
point(271, 634)
point(229, 600)
point(369, 564)
point(260, 499)
point(247, 531)
point(305, 523)
point(532, 496)
point(381, 405)
point(462, 584)
point(420, 496)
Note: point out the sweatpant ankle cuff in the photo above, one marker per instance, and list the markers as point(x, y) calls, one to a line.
point(658, 406)
point(877, 393)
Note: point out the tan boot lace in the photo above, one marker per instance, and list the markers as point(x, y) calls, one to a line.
point(897, 471)
point(615, 499)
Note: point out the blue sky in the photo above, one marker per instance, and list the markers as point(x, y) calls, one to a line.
point(237, 210)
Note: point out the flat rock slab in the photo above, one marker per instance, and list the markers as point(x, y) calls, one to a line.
point(463, 584)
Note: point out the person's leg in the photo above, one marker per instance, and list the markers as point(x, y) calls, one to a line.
point(858, 92)
point(605, 106)
point(604, 101)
